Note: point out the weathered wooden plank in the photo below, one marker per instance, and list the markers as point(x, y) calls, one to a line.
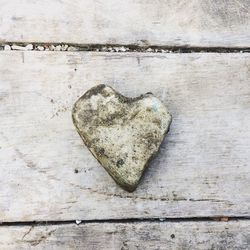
point(162, 22)
point(201, 170)
point(144, 235)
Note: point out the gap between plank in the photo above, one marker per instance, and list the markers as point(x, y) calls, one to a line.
point(21, 46)
point(135, 220)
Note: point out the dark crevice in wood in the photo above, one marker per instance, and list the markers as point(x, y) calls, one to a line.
point(121, 48)
point(132, 220)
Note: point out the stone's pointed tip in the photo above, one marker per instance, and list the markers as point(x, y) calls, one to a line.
point(130, 189)
point(129, 186)
point(122, 133)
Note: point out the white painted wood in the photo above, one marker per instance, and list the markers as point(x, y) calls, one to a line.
point(144, 235)
point(143, 22)
point(201, 170)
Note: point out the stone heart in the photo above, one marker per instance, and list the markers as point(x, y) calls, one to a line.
point(122, 133)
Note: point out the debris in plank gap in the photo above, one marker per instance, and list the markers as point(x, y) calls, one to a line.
point(17, 47)
point(71, 48)
point(115, 48)
point(25, 48)
point(78, 222)
point(52, 47)
point(29, 47)
point(7, 47)
point(58, 47)
point(64, 47)
point(225, 219)
point(41, 48)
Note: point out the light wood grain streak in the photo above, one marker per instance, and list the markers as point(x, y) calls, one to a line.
point(201, 170)
point(144, 22)
point(185, 235)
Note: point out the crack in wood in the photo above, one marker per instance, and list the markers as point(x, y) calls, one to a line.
point(28, 232)
point(42, 238)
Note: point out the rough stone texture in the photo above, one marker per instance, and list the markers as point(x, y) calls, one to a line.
point(122, 133)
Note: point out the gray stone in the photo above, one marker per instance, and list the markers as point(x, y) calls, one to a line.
point(123, 133)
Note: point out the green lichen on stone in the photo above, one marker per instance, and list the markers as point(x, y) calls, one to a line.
point(122, 133)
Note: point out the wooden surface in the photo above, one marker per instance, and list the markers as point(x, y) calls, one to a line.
point(201, 170)
point(144, 22)
point(144, 235)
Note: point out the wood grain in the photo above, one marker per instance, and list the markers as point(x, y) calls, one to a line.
point(144, 235)
point(162, 22)
point(203, 166)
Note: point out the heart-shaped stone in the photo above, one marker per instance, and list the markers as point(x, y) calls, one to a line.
point(122, 133)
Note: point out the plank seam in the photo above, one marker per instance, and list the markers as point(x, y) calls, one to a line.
point(127, 220)
point(24, 46)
